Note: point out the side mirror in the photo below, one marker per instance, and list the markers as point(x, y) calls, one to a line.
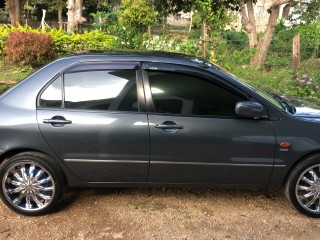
point(249, 109)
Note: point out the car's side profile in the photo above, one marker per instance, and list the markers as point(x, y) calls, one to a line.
point(150, 119)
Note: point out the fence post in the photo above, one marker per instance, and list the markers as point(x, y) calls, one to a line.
point(203, 38)
point(149, 31)
point(296, 52)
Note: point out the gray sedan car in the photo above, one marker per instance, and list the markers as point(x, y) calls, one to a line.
point(150, 119)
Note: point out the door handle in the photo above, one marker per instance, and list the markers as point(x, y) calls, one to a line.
point(164, 126)
point(57, 121)
point(169, 126)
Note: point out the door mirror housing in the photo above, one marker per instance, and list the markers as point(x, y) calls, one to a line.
point(249, 109)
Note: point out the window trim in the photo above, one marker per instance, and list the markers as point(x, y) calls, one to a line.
point(96, 66)
point(175, 68)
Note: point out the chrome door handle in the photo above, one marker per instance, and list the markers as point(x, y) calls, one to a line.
point(164, 126)
point(56, 121)
point(169, 126)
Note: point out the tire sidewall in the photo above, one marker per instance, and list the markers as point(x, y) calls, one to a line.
point(293, 180)
point(57, 181)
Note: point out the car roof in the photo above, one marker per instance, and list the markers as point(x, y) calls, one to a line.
point(137, 55)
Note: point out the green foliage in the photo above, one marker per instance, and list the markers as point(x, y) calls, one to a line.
point(276, 80)
point(166, 7)
point(280, 52)
point(231, 49)
point(215, 13)
point(307, 82)
point(28, 48)
point(173, 43)
point(127, 38)
point(305, 11)
point(235, 40)
point(64, 43)
point(106, 17)
point(137, 15)
point(305, 86)
point(74, 42)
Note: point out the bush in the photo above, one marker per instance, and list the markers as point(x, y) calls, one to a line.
point(28, 48)
point(64, 43)
point(173, 43)
point(280, 52)
point(307, 82)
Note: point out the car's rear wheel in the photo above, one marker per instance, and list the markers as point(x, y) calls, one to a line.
point(303, 187)
point(31, 184)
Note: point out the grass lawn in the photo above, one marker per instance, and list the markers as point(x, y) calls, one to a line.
point(11, 75)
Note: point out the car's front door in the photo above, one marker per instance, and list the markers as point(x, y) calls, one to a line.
point(90, 117)
point(195, 135)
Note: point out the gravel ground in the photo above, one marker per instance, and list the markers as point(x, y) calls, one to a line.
point(156, 213)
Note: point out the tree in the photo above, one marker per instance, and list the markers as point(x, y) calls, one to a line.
point(57, 5)
point(74, 13)
point(249, 25)
point(305, 11)
point(214, 15)
point(137, 14)
point(14, 8)
point(53, 6)
point(166, 7)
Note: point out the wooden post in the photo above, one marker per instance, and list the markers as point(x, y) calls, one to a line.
point(203, 38)
point(43, 18)
point(149, 31)
point(191, 19)
point(60, 18)
point(296, 52)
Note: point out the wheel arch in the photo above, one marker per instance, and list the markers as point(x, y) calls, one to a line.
point(33, 152)
point(301, 159)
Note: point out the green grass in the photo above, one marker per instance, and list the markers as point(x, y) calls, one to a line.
point(277, 80)
point(11, 74)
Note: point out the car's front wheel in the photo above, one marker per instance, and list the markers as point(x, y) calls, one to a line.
point(31, 184)
point(303, 187)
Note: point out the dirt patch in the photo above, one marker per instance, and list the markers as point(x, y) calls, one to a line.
point(142, 213)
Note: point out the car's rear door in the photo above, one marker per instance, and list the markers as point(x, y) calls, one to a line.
point(91, 117)
point(195, 135)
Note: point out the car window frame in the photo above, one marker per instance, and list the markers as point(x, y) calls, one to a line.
point(197, 72)
point(97, 66)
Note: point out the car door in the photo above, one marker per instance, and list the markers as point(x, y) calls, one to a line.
point(91, 117)
point(195, 135)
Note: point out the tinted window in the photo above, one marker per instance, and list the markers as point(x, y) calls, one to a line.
point(52, 96)
point(185, 94)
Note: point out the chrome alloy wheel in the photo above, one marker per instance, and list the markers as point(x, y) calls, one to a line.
point(28, 186)
point(308, 189)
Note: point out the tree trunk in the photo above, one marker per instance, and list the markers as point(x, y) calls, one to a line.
point(74, 13)
point(249, 22)
point(265, 41)
point(14, 8)
point(164, 21)
point(60, 18)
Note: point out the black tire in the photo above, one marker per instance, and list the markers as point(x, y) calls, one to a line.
point(31, 183)
point(303, 187)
